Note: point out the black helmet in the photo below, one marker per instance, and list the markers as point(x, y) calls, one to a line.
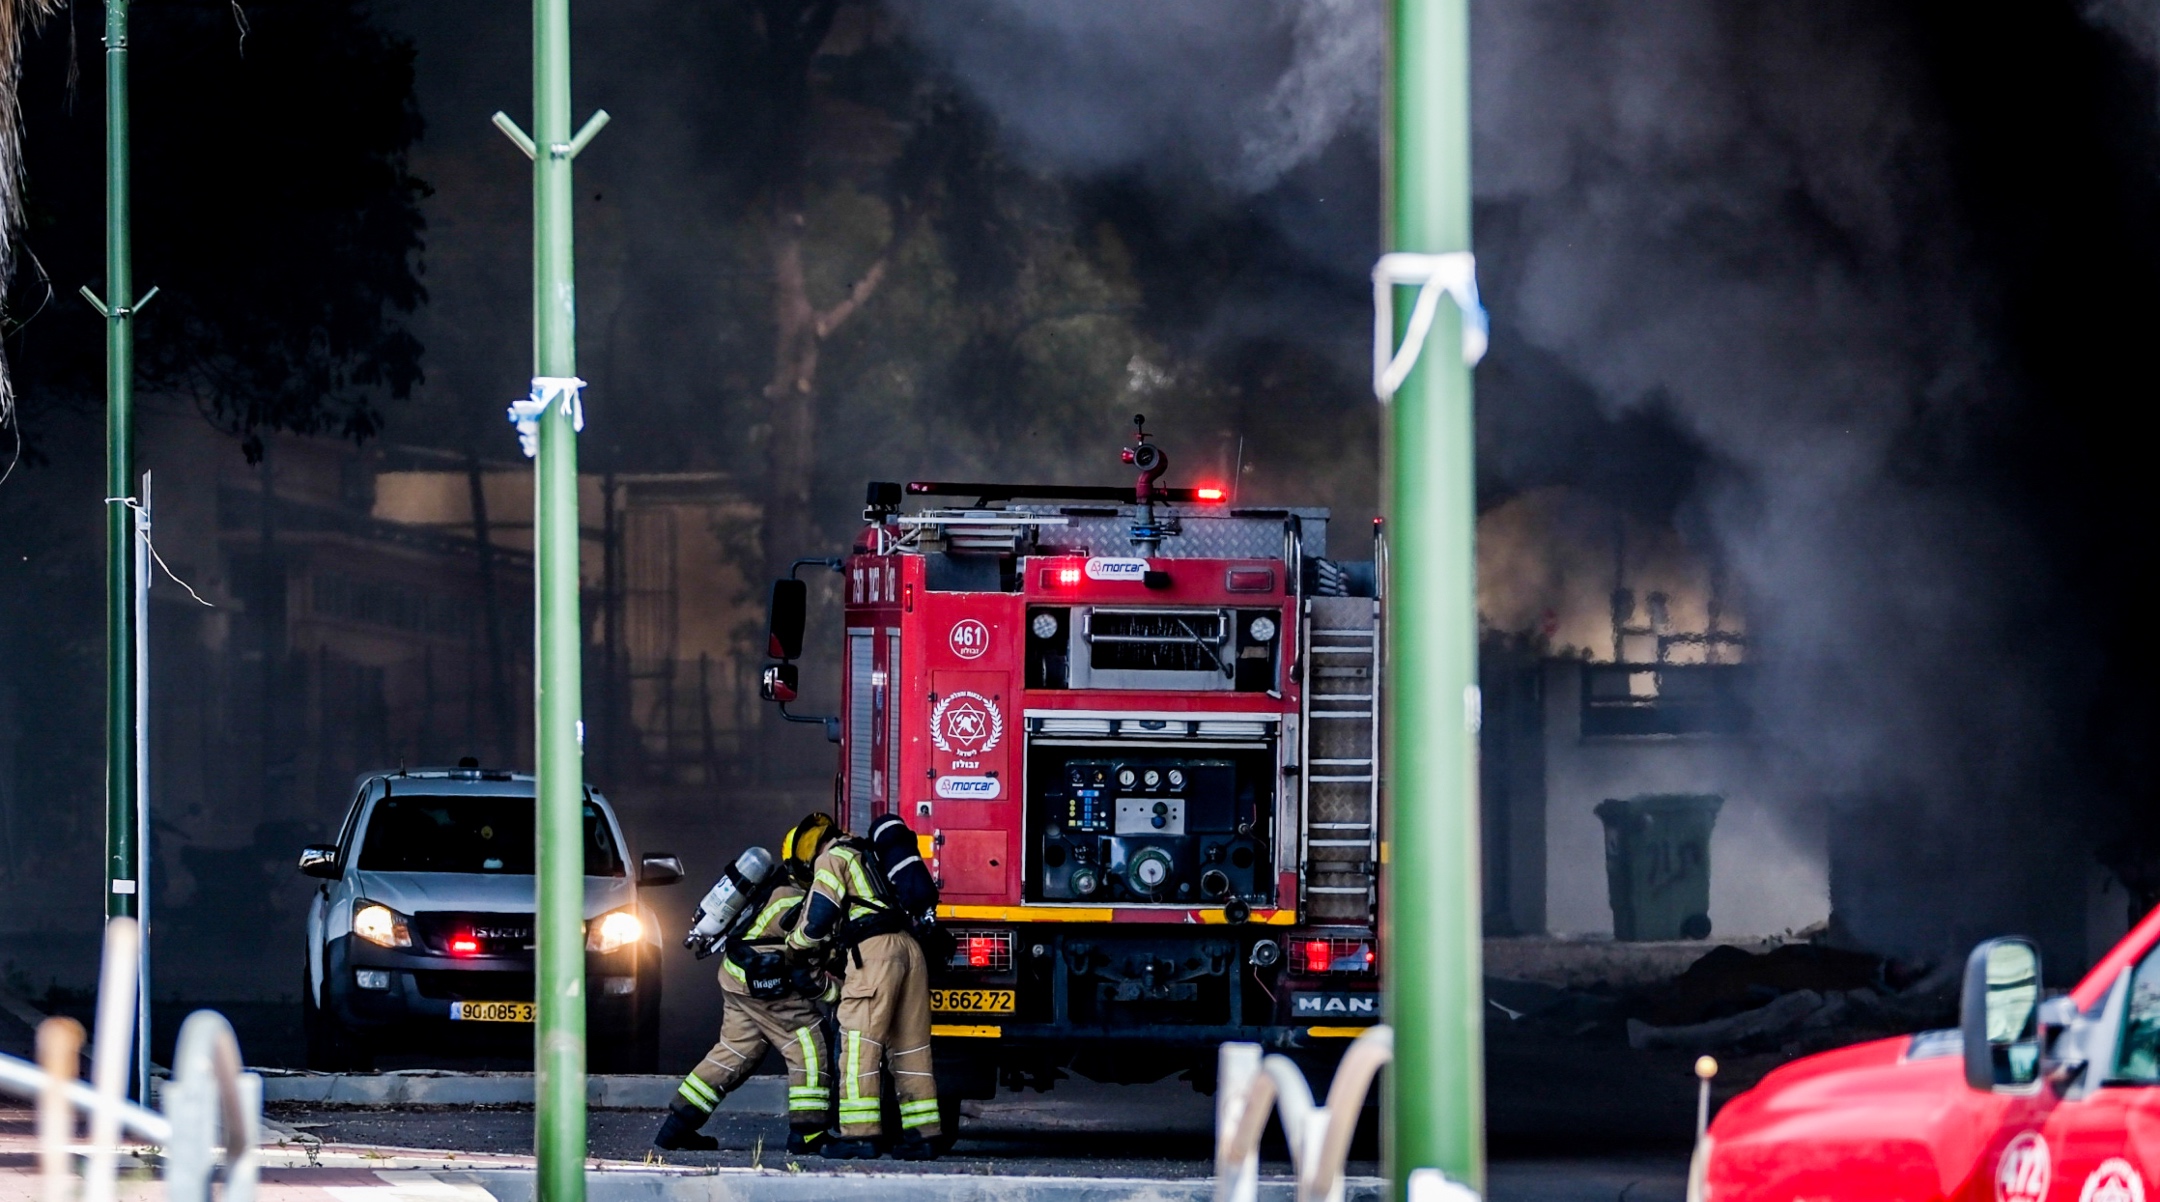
point(799, 849)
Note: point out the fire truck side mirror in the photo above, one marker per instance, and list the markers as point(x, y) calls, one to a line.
point(1998, 1012)
point(784, 619)
point(779, 683)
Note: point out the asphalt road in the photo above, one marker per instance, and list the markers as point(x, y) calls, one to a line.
point(1078, 1129)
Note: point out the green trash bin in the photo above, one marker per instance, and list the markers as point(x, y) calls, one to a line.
point(1657, 864)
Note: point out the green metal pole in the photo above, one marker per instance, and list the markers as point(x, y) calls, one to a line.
point(1435, 1096)
point(559, 1054)
point(120, 799)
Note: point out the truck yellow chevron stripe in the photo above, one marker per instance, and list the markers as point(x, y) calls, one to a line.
point(1206, 916)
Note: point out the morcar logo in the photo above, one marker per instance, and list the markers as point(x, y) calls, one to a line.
point(2023, 1173)
point(2116, 1180)
point(1335, 1005)
point(976, 788)
point(1116, 569)
point(966, 723)
point(969, 639)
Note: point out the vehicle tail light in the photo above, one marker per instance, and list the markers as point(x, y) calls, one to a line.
point(1331, 955)
point(982, 951)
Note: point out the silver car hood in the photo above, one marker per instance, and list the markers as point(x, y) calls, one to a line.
point(422, 892)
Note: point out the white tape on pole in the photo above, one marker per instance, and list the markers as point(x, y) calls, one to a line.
point(526, 413)
point(1453, 274)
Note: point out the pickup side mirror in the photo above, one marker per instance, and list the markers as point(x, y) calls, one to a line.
point(784, 618)
point(1998, 1014)
point(658, 870)
point(321, 860)
point(779, 683)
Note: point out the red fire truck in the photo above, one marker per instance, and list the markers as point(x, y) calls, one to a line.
point(1135, 731)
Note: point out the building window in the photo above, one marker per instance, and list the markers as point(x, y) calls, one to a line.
point(1647, 700)
point(397, 606)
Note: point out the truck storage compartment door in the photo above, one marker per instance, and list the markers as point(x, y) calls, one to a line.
point(972, 731)
point(973, 863)
point(861, 723)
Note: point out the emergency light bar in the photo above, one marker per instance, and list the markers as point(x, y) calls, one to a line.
point(1059, 492)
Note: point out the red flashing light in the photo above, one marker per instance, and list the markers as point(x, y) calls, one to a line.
point(1316, 955)
point(464, 945)
point(982, 951)
point(1210, 496)
point(1068, 576)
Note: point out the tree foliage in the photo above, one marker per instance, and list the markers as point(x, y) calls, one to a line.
point(927, 303)
point(274, 211)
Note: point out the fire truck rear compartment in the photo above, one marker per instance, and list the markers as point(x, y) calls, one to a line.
point(1153, 823)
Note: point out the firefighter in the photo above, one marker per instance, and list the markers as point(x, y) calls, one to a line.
point(884, 1011)
point(769, 1004)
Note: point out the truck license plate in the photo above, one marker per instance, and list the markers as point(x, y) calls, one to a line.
point(492, 1012)
point(971, 1001)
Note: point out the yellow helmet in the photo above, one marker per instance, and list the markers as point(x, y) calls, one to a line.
point(799, 849)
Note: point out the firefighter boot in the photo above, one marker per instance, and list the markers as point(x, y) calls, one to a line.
point(914, 1145)
point(677, 1134)
point(804, 1141)
point(848, 1149)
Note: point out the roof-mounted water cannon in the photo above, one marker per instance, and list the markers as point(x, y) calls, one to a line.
point(1151, 461)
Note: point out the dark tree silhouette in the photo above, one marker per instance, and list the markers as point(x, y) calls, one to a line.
point(17, 18)
point(274, 211)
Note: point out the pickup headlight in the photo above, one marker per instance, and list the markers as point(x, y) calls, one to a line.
point(613, 931)
point(380, 925)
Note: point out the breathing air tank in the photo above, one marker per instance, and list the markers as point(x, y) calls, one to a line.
point(717, 912)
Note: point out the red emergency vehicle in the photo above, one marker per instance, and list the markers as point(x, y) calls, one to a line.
point(2028, 1101)
point(1134, 729)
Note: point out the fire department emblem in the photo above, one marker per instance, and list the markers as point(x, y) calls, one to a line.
point(2116, 1180)
point(966, 723)
point(969, 639)
point(2023, 1173)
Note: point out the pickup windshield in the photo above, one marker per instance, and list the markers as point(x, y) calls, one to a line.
point(492, 835)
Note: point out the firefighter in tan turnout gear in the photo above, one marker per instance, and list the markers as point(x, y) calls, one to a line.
point(770, 1003)
point(884, 1011)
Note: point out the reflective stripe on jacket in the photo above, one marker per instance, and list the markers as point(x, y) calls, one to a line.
point(771, 924)
point(841, 884)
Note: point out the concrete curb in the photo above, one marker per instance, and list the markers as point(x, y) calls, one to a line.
point(421, 1087)
point(749, 1185)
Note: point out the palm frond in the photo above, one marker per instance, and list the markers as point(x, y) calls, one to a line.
point(18, 18)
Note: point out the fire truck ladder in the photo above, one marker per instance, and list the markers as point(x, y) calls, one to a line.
point(1341, 756)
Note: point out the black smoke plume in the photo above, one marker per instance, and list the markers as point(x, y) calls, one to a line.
point(1852, 294)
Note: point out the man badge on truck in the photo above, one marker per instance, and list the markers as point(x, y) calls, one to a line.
point(966, 723)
